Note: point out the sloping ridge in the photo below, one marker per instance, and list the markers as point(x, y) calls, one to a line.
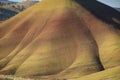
point(61, 39)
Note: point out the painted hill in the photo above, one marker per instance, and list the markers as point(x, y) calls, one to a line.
point(58, 39)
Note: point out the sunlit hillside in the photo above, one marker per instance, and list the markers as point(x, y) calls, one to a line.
point(61, 40)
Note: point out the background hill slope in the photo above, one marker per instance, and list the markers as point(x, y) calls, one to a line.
point(9, 9)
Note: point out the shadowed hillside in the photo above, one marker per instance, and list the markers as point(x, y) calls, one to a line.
point(102, 11)
point(118, 9)
point(59, 39)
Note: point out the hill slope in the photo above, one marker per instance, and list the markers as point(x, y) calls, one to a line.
point(30, 39)
point(113, 73)
point(62, 39)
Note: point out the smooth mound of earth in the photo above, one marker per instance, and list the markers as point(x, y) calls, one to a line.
point(57, 38)
point(110, 74)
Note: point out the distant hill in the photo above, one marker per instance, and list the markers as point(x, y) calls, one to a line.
point(118, 9)
point(18, 7)
point(5, 14)
point(9, 8)
point(6, 2)
point(27, 3)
